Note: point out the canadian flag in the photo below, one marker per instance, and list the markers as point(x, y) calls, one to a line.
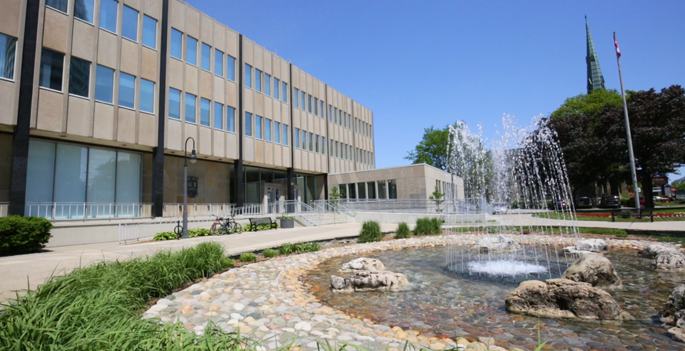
point(618, 51)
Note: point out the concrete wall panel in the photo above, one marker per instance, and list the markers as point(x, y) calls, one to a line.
point(8, 99)
point(206, 83)
point(82, 44)
point(107, 49)
point(55, 30)
point(218, 143)
point(79, 116)
point(130, 58)
point(147, 129)
point(126, 126)
point(49, 115)
point(205, 141)
point(191, 79)
point(174, 136)
point(103, 121)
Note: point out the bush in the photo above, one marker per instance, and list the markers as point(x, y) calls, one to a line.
point(287, 249)
point(20, 235)
point(371, 231)
point(248, 257)
point(402, 231)
point(199, 232)
point(428, 226)
point(625, 214)
point(165, 236)
point(269, 253)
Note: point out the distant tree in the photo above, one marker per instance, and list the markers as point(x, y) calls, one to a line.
point(432, 149)
point(588, 104)
point(680, 186)
point(437, 197)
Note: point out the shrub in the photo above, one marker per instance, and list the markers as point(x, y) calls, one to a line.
point(269, 253)
point(165, 236)
point(402, 231)
point(625, 214)
point(20, 235)
point(371, 231)
point(248, 257)
point(287, 249)
point(436, 225)
point(199, 232)
point(428, 226)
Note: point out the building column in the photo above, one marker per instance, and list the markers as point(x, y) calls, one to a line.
point(20, 142)
point(238, 181)
point(158, 152)
point(290, 179)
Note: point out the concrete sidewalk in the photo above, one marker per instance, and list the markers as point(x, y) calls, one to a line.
point(528, 219)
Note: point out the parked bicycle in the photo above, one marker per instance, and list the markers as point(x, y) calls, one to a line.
point(225, 225)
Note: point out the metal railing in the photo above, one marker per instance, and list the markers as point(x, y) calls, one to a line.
point(416, 205)
point(87, 210)
point(133, 232)
point(195, 210)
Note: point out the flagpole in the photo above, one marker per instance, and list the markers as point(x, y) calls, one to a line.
point(630, 139)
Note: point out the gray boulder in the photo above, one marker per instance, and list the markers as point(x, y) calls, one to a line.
point(592, 245)
point(494, 243)
point(670, 261)
point(564, 298)
point(596, 270)
point(653, 250)
point(363, 264)
point(673, 313)
point(363, 281)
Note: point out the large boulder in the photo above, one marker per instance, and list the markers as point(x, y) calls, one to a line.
point(670, 261)
point(363, 264)
point(653, 250)
point(363, 281)
point(588, 245)
point(564, 298)
point(596, 270)
point(673, 313)
point(496, 243)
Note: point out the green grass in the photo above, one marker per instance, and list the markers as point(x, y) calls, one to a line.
point(287, 249)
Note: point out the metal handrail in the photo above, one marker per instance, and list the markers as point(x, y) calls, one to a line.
point(87, 210)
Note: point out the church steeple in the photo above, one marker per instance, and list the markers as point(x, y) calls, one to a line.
point(595, 79)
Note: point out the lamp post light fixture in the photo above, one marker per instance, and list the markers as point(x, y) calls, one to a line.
point(193, 158)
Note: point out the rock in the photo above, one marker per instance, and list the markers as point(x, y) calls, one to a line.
point(564, 298)
point(362, 281)
point(673, 313)
point(363, 264)
point(477, 346)
point(588, 245)
point(653, 250)
point(669, 261)
point(596, 270)
point(492, 243)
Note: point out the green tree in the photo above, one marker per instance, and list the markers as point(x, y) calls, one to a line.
point(680, 186)
point(432, 149)
point(588, 104)
point(437, 197)
point(334, 196)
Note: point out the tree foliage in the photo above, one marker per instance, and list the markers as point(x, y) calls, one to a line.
point(432, 149)
point(588, 104)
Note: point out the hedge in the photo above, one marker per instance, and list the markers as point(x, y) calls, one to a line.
point(19, 235)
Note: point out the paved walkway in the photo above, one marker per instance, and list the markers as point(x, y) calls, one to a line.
point(527, 219)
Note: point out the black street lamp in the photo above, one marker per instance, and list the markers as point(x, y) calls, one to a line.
point(193, 158)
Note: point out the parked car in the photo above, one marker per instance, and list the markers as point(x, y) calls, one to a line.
point(661, 199)
point(584, 202)
point(631, 201)
point(609, 201)
point(559, 205)
point(499, 208)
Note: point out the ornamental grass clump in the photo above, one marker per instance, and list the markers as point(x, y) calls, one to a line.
point(269, 253)
point(371, 231)
point(403, 231)
point(428, 226)
point(248, 257)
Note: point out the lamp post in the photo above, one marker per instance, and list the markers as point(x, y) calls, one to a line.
point(193, 158)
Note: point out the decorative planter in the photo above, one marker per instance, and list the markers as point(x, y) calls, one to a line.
point(287, 223)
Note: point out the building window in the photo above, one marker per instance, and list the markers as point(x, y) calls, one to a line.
point(248, 124)
point(104, 83)
point(311, 139)
point(361, 189)
point(108, 15)
point(248, 76)
point(303, 96)
point(297, 138)
point(316, 142)
point(127, 90)
point(218, 63)
point(60, 5)
point(204, 111)
point(129, 29)
point(382, 189)
point(79, 77)
point(218, 116)
point(191, 50)
point(191, 103)
point(296, 103)
point(149, 32)
point(258, 80)
point(83, 9)
point(258, 126)
point(267, 84)
point(304, 140)
point(284, 96)
point(176, 43)
point(8, 49)
point(316, 106)
point(51, 68)
point(174, 103)
point(230, 67)
point(267, 129)
point(277, 135)
point(371, 186)
point(206, 57)
point(343, 191)
point(147, 96)
point(276, 84)
point(323, 145)
point(392, 189)
point(353, 190)
point(230, 119)
point(285, 134)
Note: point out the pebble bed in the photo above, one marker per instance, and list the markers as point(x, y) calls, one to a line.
point(270, 301)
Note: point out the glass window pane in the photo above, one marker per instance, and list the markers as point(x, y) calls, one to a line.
point(323, 145)
point(352, 187)
point(191, 50)
point(206, 57)
point(296, 103)
point(297, 137)
point(129, 27)
point(267, 129)
point(218, 63)
point(127, 90)
point(230, 67)
point(267, 84)
point(204, 111)
point(303, 100)
point(70, 173)
point(371, 187)
point(149, 32)
point(79, 76)
point(128, 178)
point(174, 103)
point(248, 76)
point(101, 173)
point(304, 140)
point(284, 96)
point(343, 191)
point(8, 49)
point(276, 83)
point(316, 106)
point(58, 4)
point(176, 43)
point(147, 96)
point(277, 132)
point(248, 124)
point(361, 190)
point(40, 173)
point(230, 119)
point(83, 9)
point(191, 103)
point(258, 127)
point(104, 83)
point(285, 134)
point(108, 15)
point(258, 80)
point(218, 116)
point(51, 67)
point(382, 189)
point(392, 189)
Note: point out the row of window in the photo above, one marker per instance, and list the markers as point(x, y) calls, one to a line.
point(316, 143)
point(307, 103)
point(345, 152)
point(262, 84)
point(263, 129)
point(381, 190)
point(362, 128)
point(109, 13)
point(8, 49)
point(191, 52)
point(339, 117)
point(51, 77)
point(207, 109)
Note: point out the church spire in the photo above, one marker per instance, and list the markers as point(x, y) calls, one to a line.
point(595, 79)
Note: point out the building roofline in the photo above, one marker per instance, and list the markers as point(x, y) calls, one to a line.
point(379, 169)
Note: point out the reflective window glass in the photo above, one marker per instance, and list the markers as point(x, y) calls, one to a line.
point(285, 134)
point(276, 84)
point(296, 95)
point(297, 138)
point(258, 127)
point(267, 129)
point(83, 9)
point(284, 96)
point(147, 96)
point(267, 84)
point(230, 67)
point(248, 76)
point(129, 28)
point(174, 103)
point(176, 43)
point(206, 57)
point(258, 80)
point(218, 116)
point(230, 119)
point(79, 77)
point(58, 4)
point(248, 124)
point(191, 103)
point(149, 32)
point(8, 49)
point(127, 90)
point(51, 68)
point(108, 15)
point(104, 83)
point(277, 132)
point(218, 63)
point(204, 111)
point(191, 50)
point(303, 98)
point(101, 176)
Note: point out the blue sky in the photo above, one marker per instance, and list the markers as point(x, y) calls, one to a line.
point(423, 63)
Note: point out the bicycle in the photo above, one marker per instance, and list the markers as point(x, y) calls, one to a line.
point(225, 225)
